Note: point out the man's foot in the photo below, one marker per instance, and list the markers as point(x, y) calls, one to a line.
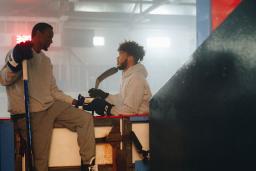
point(89, 167)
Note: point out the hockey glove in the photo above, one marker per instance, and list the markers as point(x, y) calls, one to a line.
point(20, 52)
point(80, 101)
point(101, 106)
point(97, 93)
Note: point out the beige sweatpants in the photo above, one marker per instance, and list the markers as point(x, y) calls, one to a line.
point(60, 114)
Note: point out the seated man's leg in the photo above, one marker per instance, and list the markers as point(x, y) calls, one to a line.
point(81, 122)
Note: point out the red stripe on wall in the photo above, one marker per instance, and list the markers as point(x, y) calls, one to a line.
point(4, 118)
point(221, 9)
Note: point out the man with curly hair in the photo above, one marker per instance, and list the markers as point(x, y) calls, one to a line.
point(135, 92)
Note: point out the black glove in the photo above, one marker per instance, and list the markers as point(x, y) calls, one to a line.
point(20, 52)
point(101, 106)
point(97, 93)
point(80, 101)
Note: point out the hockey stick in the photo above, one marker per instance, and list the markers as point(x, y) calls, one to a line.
point(29, 153)
point(104, 75)
point(86, 100)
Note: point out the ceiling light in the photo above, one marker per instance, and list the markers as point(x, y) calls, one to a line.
point(98, 41)
point(22, 38)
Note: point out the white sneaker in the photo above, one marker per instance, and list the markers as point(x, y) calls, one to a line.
point(93, 168)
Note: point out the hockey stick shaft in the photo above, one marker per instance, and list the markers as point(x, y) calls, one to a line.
point(104, 75)
point(29, 153)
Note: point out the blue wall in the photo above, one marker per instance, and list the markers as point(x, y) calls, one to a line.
point(6, 146)
point(203, 20)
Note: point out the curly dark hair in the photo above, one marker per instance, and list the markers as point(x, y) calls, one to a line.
point(133, 49)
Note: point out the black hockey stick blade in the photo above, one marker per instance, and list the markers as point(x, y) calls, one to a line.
point(104, 75)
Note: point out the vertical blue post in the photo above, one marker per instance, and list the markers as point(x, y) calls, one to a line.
point(6, 146)
point(203, 20)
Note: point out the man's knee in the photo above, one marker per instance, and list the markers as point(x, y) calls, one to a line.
point(84, 118)
point(85, 115)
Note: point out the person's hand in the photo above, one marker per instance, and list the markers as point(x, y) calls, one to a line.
point(74, 102)
point(20, 52)
point(97, 93)
point(101, 106)
point(79, 101)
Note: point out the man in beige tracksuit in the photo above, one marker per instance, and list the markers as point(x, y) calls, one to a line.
point(49, 106)
point(135, 92)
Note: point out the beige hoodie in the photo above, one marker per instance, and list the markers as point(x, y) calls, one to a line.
point(43, 90)
point(135, 93)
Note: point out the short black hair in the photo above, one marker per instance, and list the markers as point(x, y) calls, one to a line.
point(40, 27)
point(133, 49)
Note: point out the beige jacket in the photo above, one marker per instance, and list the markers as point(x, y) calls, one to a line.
point(43, 90)
point(135, 93)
